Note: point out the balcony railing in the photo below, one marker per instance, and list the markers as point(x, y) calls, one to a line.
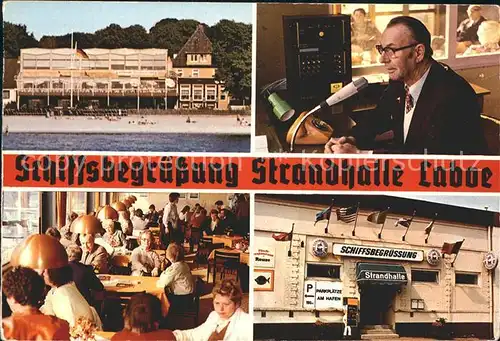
point(95, 92)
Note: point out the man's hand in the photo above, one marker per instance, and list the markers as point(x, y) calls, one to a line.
point(343, 145)
point(155, 272)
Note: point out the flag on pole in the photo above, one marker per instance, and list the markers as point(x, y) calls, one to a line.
point(378, 217)
point(347, 214)
point(324, 215)
point(283, 237)
point(428, 229)
point(80, 53)
point(405, 222)
point(451, 248)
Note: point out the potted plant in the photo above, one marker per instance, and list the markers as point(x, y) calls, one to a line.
point(440, 329)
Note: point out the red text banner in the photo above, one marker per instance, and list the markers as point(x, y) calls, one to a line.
point(251, 173)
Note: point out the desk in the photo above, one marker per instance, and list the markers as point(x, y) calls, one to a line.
point(227, 240)
point(244, 256)
point(139, 284)
point(362, 103)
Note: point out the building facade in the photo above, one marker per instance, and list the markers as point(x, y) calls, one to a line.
point(405, 285)
point(121, 78)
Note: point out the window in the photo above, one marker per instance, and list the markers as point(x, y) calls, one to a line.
point(424, 276)
point(195, 73)
point(464, 278)
point(222, 97)
point(20, 218)
point(193, 57)
point(5, 94)
point(198, 93)
point(478, 30)
point(211, 95)
point(194, 195)
point(323, 271)
point(77, 202)
point(185, 93)
point(369, 21)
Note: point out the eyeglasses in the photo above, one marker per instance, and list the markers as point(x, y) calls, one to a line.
point(391, 51)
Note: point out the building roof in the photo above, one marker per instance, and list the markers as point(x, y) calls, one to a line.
point(11, 69)
point(197, 43)
point(96, 51)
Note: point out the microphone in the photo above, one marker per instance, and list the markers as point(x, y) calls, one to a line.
point(347, 91)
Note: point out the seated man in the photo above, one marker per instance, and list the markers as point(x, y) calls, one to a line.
point(227, 223)
point(177, 278)
point(426, 109)
point(24, 290)
point(145, 262)
point(138, 221)
point(94, 254)
point(83, 275)
point(211, 225)
point(152, 216)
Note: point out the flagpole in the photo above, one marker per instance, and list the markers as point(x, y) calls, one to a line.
point(71, 73)
point(356, 220)
point(433, 220)
point(456, 254)
point(411, 220)
point(329, 216)
point(383, 224)
point(291, 238)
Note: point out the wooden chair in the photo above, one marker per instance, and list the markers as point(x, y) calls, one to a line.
point(191, 308)
point(226, 261)
point(112, 308)
point(120, 265)
point(203, 251)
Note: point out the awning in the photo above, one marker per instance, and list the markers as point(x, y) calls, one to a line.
point(381, 274)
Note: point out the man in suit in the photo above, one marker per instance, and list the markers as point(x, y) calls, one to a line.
point(426, 109)
point(94, 254)
point(83, 275)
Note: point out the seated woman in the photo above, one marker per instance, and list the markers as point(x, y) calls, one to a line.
point(145, 262)
point(142, 319)
point(177, 279)
point(24, 289)
point(64, 300)
point(94, 254)
point(113, 237)
point(228, 322)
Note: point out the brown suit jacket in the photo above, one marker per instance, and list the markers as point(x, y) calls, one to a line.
point(98, 258)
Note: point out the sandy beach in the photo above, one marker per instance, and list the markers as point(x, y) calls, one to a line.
point(224, 125)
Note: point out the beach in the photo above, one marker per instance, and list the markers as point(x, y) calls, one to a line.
point(223, 125)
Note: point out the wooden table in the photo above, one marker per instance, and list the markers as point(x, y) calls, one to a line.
point(140, 284)
point(244, 256)
point(105, 335)
point(227, 240)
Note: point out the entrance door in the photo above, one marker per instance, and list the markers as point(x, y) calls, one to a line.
point(376, 301)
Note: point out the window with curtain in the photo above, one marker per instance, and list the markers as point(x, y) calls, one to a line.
point(20, 218)
point(76, 202)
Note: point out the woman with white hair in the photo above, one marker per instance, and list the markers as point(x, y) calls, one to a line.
point(113, 237)
point(489, 37)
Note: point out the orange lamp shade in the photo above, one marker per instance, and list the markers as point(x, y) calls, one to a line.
point(86, 224)
point(39, 252)
point(107, 212)
point(127, 203)
point(119, 206)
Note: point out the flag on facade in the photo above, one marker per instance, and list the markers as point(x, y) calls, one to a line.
point(324, 215)
point(347, 214)
point(378, 217)
point(80, 53)
point(283, 237)
point(452, 248)
point(405, 222)
point(428, 229)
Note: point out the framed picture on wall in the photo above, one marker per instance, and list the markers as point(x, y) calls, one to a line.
point(263, 280)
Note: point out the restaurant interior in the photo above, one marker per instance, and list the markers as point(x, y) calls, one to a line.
point(210, 230)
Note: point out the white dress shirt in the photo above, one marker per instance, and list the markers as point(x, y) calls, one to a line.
point(414, 91)
point(67, 303)
point(178, 278)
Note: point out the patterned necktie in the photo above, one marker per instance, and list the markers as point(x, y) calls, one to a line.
point(408, 100)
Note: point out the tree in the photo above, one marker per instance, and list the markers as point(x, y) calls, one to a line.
point(172, 34)
point(137, 37)
point(232, 54)
point(111, 37)
point(16, 37)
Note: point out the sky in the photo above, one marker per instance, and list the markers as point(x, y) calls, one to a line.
point(58, 18)
point(469, 201)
